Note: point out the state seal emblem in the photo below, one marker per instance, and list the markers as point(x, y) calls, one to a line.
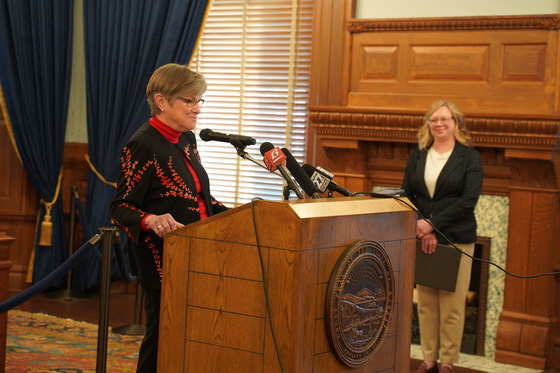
point(359, 303)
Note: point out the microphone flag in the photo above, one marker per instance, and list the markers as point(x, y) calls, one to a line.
point(274, 158)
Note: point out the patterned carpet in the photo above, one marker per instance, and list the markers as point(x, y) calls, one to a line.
point(41, 343)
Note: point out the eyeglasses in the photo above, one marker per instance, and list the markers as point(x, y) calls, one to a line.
point(442, 119)
point(191, 102)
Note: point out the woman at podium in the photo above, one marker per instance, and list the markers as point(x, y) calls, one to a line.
point(162, 185)
point(443, 179)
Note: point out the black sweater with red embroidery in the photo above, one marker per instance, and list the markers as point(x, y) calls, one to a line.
point(155, 179)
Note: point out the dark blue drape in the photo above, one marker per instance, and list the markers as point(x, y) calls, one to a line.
point(35, 65)
point(125, 41)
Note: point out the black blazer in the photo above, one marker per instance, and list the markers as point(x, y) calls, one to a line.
point(155, 179)
point(457, 190)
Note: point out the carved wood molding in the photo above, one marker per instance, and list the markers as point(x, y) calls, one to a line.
point(539, 22)
point(518, 133)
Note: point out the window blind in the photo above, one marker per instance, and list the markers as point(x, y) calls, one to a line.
point(256, 57)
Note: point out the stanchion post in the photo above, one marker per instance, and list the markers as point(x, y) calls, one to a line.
point(108, 235)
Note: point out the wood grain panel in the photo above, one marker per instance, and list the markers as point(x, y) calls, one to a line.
point(321, 342)
point(227, 259)
point(457, 62)
point(372, 228)
point(380, 62)
point(384, 359)
point(226, 294)
point(173, 314)
point(519, 242)
point(541, 251)
point(534, 339)
point(524, 62)
point(483, 71)
point(527, 321)
point(292, 279)
point(223, 329)
point(508, 335)
point(520, 359)
point(217, 359)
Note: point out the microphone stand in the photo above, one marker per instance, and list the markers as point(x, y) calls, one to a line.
point(286, 194)
point(243, 154)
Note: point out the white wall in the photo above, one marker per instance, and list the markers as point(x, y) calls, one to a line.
point(452, 8)
point(76, 125)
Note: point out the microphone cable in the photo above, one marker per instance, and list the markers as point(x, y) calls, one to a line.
point(265, 285)
point(413, 208)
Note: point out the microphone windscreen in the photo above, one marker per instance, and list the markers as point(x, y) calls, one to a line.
point(266, 146)
point(319, 180)
point(309, 169)
point(299, 174)
point(205, 134)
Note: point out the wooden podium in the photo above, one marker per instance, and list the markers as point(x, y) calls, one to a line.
point(214, 316)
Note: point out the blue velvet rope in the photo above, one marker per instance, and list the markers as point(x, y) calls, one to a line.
point(44, 283)
point(66, 266)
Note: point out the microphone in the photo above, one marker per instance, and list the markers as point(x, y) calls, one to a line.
point(299, 174)
point(275, 159)
point(322, 179)
point(236, 140)
point(386, 193)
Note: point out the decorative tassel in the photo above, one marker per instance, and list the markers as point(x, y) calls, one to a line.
point(45, 238)
point(46, 231)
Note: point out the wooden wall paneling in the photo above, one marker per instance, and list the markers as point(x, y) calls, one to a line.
point(18, 209)
point(527, 323)
point(329, 82)
point(486, 64)
point(497, 171)
point(23, 229)
point(487, 71)
point(504, 74)
point(330, 72)
point(386, 162)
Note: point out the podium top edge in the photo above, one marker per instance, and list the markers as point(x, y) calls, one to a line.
point(343, 206)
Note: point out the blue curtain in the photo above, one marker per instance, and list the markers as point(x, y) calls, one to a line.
point(35, 65)
point(125, 41)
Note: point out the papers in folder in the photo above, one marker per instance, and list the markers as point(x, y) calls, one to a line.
point(437, 270)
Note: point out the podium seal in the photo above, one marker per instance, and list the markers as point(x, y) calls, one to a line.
point(359, 303)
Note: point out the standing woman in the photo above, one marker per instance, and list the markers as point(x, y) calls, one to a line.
point(162, 185)
point(443, 179)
